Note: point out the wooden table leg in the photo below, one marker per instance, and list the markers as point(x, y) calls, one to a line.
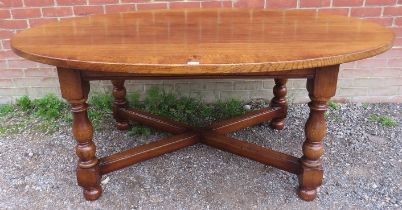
point(279, 100)
point(75, 91)
point(321, 85)
point(119, 94)
point(321, 88)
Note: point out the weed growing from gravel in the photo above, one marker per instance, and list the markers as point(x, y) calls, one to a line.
point(140, 130)
point(101, 102)
point(190, 110)
point(49, 107)
point(13, 128)
point(331, 114)
point(365, 106)
point(40, 114)
point(134, 99)
point(229, 108)
point(184, 109)
point(6, 109)
point(333, 105)
point(47, 113)
point(100, 108)
point(383, 120)
point(24, 103)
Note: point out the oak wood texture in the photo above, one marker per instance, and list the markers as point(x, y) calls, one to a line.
point(213, 135)
point(155, 121)
point(96, 75)
point(320, 89)
point(279, 100)
point(254, 152)
point(119, 95)
point(321, 85)
point(218, 43)
point(75, 91)
point(247, 120)
point(222, 41)
point(126, 158)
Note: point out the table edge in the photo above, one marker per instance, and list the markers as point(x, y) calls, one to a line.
point(208, 69)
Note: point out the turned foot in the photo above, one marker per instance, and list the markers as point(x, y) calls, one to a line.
point(93, 193)
point(306, 194)
point(279, 100)
point(122, 126)
point(277, 124)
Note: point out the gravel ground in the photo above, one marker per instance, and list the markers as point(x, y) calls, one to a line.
point(363, 169)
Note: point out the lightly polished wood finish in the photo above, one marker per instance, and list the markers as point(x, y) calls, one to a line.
point(158, 122)
point(75, 91)
point(320, 90)
point(203, 41)
point(301, 73)
point(202, 44)
point(279, 100)
point(123, 159)
point(252, 151)
point(247, 120)
point(119, 95)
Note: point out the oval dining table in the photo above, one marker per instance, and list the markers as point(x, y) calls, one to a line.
point(198, 44)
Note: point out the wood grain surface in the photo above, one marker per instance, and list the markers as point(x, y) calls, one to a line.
point(203, 41)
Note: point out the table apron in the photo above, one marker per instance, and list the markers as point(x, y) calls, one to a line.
point(97, 75)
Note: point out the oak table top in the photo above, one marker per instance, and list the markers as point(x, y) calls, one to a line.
point(203, 41)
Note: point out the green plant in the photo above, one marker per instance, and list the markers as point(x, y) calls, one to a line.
point(51, 111)
point(189, 110)
point(101, 102)
point(24, 103)
point(49, 107)
point(383, 120)
point(333, 105)
point(365, 106)
point(134, 99)
point(13, 128)
point(140, 130)
point(165, 104)
point(100, 105)
point(229, 108)
point(43, 114)
point(6, 109)
point(158, 102)
point(67, 117)
point(47, 126)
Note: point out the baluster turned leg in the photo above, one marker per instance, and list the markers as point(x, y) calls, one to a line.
point(119, 94)
point(321, 88)
point(75, 91)
point(279, 100)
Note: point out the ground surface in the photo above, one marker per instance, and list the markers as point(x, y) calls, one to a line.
point(363, 169)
